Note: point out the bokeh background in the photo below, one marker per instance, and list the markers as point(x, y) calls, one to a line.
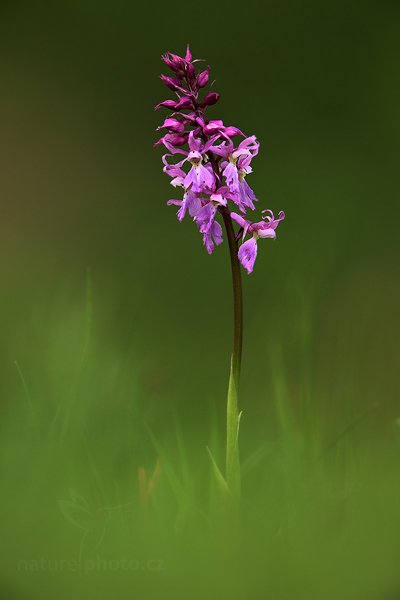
point(116, 324)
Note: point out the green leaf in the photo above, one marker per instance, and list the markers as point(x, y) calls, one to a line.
point(219, 478)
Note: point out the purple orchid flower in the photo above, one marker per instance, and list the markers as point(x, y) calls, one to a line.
point(175, 171)
point(262, 229)
point(237, 167)
point(191, 202)
point(212, 237)
point(207, 213)
point(200, 177)
point(213, 167)
point(211, 170)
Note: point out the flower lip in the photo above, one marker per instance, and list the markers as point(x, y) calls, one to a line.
point(248, 254)
point(195, 158)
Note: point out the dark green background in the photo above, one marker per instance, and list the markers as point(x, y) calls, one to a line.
point(104, 293)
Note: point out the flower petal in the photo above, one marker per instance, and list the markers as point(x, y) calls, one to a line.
point(248, 254)
point(212, 236)
point(232, 177)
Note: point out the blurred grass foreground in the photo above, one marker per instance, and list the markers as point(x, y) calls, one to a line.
point(102, 497)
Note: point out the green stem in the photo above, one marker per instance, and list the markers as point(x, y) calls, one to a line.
point(237, 296)
point(232, 473)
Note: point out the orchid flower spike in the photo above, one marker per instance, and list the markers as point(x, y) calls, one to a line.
point(215, 161)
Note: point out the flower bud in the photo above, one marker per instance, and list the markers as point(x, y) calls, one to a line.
point(231, 131)
point(174, 62)
point(184, 102)
point(188, 56)
point(174, 139)
point(190, 71)
point(189, 118)
point(213, 127)
point(211, 98)
point(203, 77)
point(167, 103)
point(173, 125)
point(171, 82)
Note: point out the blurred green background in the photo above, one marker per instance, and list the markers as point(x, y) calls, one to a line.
point(116, 324)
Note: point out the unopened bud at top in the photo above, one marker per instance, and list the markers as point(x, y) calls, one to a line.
point(203, 77)
point(174, 62)
point(188, 56)
point(171, 82)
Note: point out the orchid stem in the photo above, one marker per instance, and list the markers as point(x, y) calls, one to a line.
point(232, 473)
point(237, 296)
